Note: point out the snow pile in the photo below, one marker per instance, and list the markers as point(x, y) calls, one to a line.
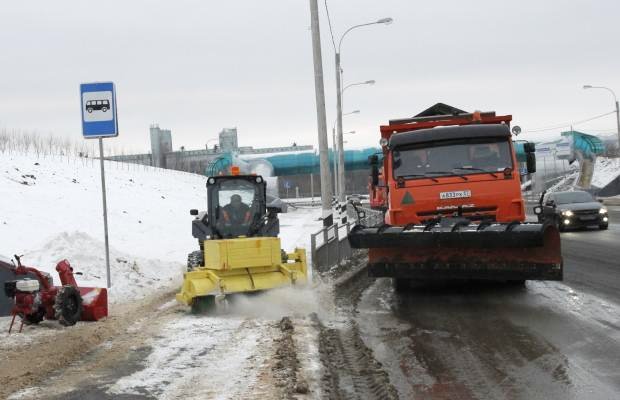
point(565, 183)
point(133, 277)
point(605, 171)
point(51, 210)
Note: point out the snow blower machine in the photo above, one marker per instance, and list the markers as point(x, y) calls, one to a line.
point(239, 246)
point(454, 210)
point(38, 299)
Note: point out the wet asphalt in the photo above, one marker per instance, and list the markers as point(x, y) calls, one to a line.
point(543, 340)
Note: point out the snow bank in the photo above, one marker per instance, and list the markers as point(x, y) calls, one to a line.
point(51, 210)
point(605, 171)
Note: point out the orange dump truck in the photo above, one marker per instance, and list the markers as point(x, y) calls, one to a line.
point(451, 192)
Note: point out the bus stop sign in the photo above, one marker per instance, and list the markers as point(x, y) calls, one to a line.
point(98, 101)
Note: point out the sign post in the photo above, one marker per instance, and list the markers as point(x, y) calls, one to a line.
point(98, 109)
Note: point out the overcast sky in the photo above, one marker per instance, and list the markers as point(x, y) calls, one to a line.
point(198, 66)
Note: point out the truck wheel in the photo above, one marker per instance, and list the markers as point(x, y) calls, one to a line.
point(68, 305)
point(203, 304)
point(194, 260)
point(34, 318)
point(401, 285)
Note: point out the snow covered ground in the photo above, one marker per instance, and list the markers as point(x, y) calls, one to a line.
point(605, 171)
point(51, 210)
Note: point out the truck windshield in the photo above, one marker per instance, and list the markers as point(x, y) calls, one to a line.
point(452, 158)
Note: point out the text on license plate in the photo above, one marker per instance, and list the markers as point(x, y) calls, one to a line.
point(459, 194)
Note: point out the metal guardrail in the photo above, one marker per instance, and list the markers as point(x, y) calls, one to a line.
point(368, 217)
point(330, 246)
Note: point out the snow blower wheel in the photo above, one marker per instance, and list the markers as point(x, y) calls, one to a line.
point(68, 305)
point(34, 318)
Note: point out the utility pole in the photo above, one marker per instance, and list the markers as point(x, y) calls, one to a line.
point(319, 89)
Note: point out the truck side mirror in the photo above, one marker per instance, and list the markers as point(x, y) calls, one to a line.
point(531, 163)
point(193, 212)
point(529, 147)
point(274, 210)
point(374, 169)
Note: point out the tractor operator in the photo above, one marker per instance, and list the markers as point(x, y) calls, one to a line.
point(236, 212)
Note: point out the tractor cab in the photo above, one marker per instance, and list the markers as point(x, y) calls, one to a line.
point(237, 207)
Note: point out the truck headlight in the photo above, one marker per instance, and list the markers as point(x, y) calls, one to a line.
point(567, 213)
point(603, 211)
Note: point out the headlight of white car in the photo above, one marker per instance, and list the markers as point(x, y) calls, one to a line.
point(603, 211)
point(567, 213)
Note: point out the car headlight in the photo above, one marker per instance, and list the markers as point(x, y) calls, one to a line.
point(567, 213)
point(603, 211)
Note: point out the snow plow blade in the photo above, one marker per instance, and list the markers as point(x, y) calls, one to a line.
point(456, 249)
point(243, 265)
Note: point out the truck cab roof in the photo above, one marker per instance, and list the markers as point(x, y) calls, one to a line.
point(450, 133)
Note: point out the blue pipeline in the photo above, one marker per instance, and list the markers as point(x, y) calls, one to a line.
point(590, 146)
point(306, 163)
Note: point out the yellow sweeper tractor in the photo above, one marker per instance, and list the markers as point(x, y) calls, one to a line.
point(239, 245)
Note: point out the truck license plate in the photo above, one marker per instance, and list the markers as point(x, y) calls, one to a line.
point(459, 194)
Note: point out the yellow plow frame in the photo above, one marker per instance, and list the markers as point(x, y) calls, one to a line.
point(243, 265)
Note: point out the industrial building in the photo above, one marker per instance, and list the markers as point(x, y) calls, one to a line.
point(295, 166)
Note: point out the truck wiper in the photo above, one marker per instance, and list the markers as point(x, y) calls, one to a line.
point(448, 173)
point(477, 169)
point(417, 176)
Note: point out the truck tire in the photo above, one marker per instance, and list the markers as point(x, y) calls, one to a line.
point(68, 305)
point(194, 260)
point(401, 285)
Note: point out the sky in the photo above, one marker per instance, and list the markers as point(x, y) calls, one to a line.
point(196, 67)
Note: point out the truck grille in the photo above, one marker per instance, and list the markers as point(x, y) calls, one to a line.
point(473, 213)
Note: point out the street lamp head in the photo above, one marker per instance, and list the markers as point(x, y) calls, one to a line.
point(386, 21)
point(370, 82)
point(587, 86)
point(355, 112)
point(350, 133)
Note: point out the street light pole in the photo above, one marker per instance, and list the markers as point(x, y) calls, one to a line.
point(335, 161)
point(341, 178)
point(617, 107)
point(341, 187)
point(335, 151)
